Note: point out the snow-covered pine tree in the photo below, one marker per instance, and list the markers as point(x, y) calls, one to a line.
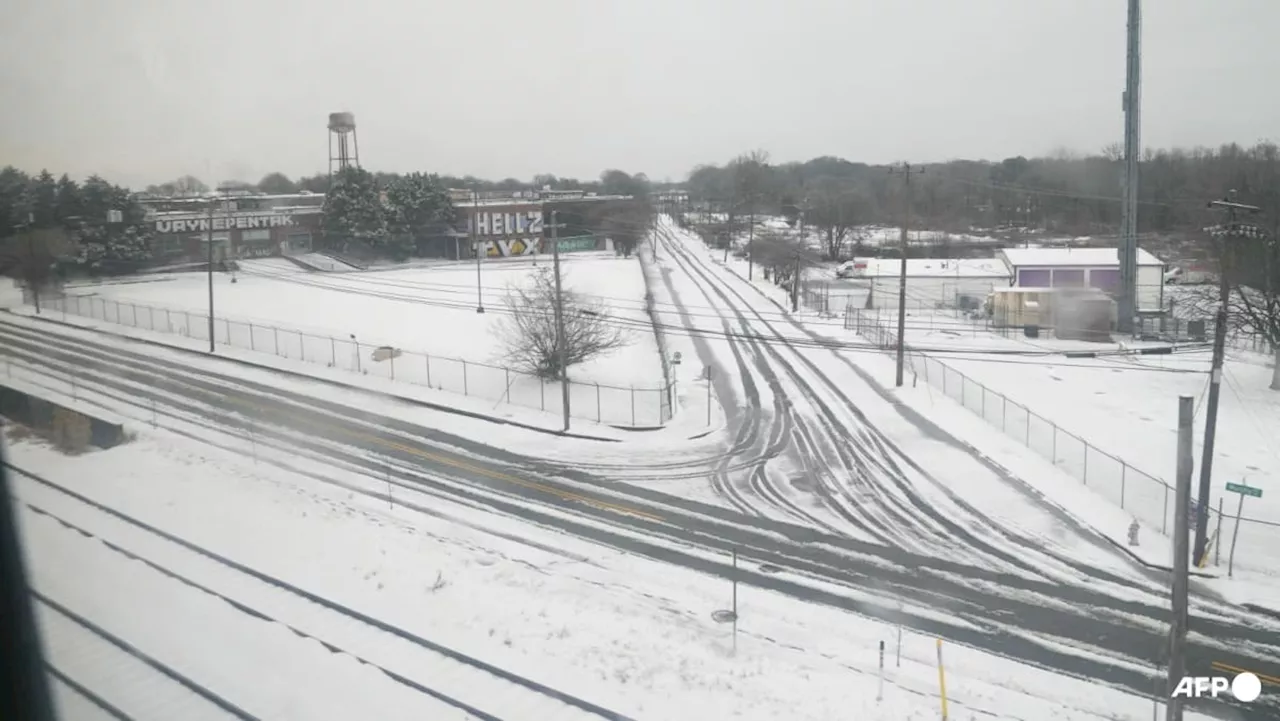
point(353, 212)
point(418, 207)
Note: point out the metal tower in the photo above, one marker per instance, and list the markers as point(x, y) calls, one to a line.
point(1132, 149)
point(344, 149)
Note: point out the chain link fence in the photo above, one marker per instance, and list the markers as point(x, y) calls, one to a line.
point(638, 407)
point(1141, 494)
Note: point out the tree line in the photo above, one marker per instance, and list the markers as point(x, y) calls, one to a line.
point(611, 182)
point(1062, 193)
point(51, 226)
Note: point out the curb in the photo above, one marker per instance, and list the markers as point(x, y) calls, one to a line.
point(334, 383)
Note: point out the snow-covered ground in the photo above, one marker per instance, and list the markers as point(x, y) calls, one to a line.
point(1126, 405)
point(339, 320)
point(629, 634)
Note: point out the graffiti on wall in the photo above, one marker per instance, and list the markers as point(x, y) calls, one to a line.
point(501, 223)
point(510, 247)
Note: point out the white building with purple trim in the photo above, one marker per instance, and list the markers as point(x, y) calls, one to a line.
point(1085, 268)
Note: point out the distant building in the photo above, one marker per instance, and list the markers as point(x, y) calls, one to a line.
point(240, 225)
point(1085, 268)
point(931, 282)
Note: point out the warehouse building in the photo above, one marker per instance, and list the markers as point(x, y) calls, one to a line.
point(239, 226)
point(1085, 268)
point(931, 282)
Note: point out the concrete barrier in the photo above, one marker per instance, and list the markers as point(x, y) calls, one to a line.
point(69, 428)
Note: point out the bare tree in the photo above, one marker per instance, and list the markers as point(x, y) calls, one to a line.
point(528, 331)
point(32, 255)
point(835, 210)
point(781, 256)
point(1250, 265)
point(1254, 308)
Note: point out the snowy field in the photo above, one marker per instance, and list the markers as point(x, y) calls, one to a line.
point(1126, 404)
point(631, 635)
point(428, 314)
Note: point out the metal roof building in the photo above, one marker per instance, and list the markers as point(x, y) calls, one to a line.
point(1085, 268)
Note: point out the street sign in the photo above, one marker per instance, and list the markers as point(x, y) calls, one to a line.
point(1244, 490)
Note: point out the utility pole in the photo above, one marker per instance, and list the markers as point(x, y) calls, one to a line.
point(1131, 103)
point(1225, 234)
point(210, 238)
point(906, 172)
point(560, 339)
point(1181, 560)
point(475, 218)
point(795, 279)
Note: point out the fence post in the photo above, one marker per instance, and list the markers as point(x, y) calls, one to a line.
point(599, 416)
point(962, 386)
point(228, 322)
point(1164, 517)
point(507, 373)
point(275, 340)
point(391, 358)
point(1026, 441)
point(188, 326)
point(251, 345)
point(1124, 471)
point(542, 392)
point(168, 322)
point(428, 357)
point(151, 316)
point(302, 348)
point(333, 350)
point(944, 380)
point(465, 392)
point(1004, 413)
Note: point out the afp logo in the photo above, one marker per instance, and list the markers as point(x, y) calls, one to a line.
point(1244, 687)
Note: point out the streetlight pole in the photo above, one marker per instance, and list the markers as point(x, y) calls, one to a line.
point(475, 218)
point(210, 239)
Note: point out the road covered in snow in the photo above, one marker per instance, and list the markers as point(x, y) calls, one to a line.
point(1063, 604)
point(249, 591)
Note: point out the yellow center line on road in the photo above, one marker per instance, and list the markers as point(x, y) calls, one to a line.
point(1265, 678)
point(458, 463)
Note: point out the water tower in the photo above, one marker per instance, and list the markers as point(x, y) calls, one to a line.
point(343, 147)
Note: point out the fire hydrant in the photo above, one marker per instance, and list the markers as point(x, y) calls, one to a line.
point(1133, 533)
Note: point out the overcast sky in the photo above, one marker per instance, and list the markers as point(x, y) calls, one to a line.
point(142, 91)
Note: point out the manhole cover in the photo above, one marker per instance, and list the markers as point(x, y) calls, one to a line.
point(723, 616)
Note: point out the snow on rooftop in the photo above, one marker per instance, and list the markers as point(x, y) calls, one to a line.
point(1072, 257)
point(936, 267)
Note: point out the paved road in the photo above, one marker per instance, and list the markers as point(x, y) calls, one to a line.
point(1013, 614)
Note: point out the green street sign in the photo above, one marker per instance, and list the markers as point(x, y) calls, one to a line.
point(1244, 490)
point(576, 243)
